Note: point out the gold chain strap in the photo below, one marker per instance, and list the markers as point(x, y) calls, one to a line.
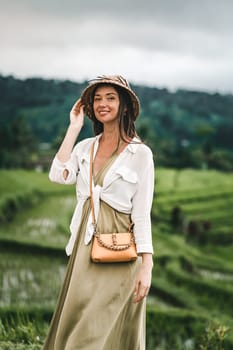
point(114, 246)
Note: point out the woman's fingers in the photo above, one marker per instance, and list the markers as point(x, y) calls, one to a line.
point(136, 290)
point(77, 106)
point(140, 292)
point(142, 283)
point(77, 114)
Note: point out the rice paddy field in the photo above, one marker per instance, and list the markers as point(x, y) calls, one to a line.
point(191, 299)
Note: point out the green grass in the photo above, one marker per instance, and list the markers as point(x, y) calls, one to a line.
point(20, 181)
point(24, 279)
point(21, 333)
point(46, 224)
point(171, 180)
point(192, 283)
point(22, 189)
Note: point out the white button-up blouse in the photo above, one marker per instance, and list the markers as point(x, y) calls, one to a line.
point(128, 187)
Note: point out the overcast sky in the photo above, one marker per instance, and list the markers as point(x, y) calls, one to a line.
point(164, 43)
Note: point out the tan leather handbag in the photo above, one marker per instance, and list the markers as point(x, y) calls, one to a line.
point(110, 247)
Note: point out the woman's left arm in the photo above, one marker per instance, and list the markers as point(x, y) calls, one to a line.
point(141, 217)
point(143, 279)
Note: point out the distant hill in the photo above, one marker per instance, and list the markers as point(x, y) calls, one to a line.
point(184, 128)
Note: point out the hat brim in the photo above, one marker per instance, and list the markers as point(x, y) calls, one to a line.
point(87, 97)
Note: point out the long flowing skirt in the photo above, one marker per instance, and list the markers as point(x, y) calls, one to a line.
point(95, 309)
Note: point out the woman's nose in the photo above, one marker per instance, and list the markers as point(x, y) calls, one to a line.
point(102, 102)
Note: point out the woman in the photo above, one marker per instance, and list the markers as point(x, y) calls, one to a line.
point(102, 306)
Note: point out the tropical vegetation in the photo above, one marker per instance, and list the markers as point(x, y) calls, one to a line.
point(191, 298)
point(183, 128)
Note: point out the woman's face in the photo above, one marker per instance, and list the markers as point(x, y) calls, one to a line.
point(106, 104)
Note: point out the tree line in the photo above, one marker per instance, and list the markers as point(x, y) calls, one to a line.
point(184, 128)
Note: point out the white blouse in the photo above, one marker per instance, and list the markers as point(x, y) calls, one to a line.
point(128, 187)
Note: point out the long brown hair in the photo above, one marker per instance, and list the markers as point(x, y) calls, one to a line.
point(125, 115)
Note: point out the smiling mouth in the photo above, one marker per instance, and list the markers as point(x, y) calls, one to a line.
point(103, 112)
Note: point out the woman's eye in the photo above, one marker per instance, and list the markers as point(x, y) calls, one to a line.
point(108, 98)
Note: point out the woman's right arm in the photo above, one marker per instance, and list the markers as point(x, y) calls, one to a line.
point(76, 123)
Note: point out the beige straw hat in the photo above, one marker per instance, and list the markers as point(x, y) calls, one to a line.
point(118, 80)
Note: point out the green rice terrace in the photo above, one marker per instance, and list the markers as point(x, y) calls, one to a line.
point(191, 299)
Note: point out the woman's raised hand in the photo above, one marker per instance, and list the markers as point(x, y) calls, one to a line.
point(76, 123)
point(77, 115)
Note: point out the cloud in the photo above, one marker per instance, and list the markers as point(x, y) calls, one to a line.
point(167, 42)
point(202, 14)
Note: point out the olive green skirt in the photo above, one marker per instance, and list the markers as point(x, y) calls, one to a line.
point(95, 309)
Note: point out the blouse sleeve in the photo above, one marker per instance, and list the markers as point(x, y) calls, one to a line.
point(58, 167)
point(141, 210)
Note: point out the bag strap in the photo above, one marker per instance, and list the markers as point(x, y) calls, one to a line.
point(91, 188)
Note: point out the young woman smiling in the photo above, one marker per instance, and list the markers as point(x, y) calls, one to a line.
point(102, 306)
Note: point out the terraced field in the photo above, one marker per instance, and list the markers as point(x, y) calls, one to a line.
point(192, 284)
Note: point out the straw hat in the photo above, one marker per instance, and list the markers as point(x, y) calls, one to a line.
point(117, 80)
